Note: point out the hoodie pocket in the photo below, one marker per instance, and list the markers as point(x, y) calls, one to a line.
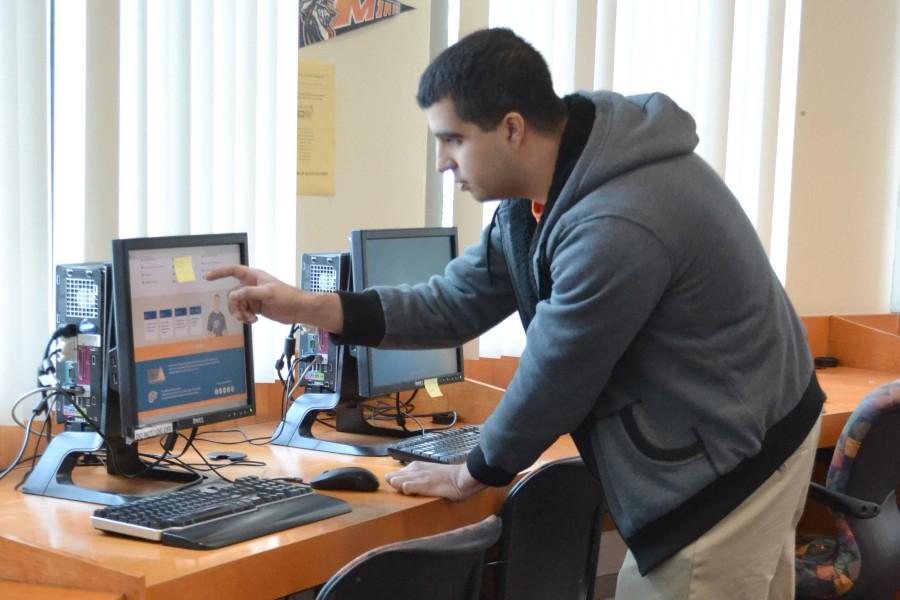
point(646, 474)
point(652, 450)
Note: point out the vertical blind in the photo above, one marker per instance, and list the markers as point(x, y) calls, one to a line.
point(550, 28)
point(24, 193)
point(730, 63)
point(201, 89)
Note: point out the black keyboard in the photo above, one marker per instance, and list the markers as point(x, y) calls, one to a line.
point(216, 514)
point(448, 446)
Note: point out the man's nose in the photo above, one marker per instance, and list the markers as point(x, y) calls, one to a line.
point(444, 162)
point(444, 165)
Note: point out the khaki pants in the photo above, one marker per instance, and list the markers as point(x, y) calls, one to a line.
point(749, 555)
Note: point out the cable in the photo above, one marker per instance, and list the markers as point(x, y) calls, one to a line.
point(47, 366)
point(46, 429)
point(382, 411)
point(22, 398)
point(189, 443)
point(22, 448)
point(67, 330)
point(199, 467)
point(43, 406)
point(111, 456)
point(236, 430)
point(314, 360)
point(84, 415)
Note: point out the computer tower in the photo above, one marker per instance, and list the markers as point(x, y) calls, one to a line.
point(322, 272)
point(83, 298)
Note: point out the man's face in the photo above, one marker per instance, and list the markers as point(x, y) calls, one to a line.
point(216, 303)
point(482, 162)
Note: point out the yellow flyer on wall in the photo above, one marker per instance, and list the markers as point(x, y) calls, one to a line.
point(315, 129)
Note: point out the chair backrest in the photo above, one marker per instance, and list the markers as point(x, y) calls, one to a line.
point(445, 566)
point(866, 466)
point(552, 521)
point(866, 460)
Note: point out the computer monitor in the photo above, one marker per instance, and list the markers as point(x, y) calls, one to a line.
point(183, 359)
point(389, 257)
point(344, 377)
point(175, 359)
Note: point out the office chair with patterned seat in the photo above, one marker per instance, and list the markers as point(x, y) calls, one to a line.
point(445, 566)
point(862, 561)
point(552, 522)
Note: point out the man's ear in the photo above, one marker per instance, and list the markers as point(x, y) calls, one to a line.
point(514, 127)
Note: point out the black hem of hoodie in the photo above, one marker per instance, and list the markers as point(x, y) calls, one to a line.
point(363, 318)
point(483, 472)
point(664, 537)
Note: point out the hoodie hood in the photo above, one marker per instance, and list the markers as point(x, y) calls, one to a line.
point(629, 132)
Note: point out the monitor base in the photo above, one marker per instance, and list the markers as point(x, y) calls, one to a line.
point(296, 428)
point(52, 476)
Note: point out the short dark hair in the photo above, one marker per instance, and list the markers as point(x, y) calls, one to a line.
point(490, 73)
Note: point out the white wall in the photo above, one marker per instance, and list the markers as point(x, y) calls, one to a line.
point(381, 133)
point(845, 178)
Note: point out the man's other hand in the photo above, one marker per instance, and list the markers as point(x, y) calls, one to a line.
point(452, 482)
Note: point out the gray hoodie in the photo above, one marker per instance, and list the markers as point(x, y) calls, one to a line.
point(657, 332)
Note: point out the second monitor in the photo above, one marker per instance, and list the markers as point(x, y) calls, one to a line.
point(389, 257)
point(343, 378)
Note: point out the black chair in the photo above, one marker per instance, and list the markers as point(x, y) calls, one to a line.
point(552, 521)
point(445, 566)
point(862, 561)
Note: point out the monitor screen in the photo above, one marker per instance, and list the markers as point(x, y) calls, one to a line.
point(394, 257)
point(183, 360)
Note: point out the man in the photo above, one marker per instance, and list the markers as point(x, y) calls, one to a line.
point(215, 322)
point(657, 333)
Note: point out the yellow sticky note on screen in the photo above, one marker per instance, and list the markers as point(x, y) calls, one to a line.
point(432, 387)
point(184, 269)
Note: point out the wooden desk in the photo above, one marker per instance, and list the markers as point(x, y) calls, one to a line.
point(50, 542)
point(845, 387)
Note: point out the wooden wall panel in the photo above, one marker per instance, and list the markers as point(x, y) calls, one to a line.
point(492, 371)
point(863, 347)
point(889, 323)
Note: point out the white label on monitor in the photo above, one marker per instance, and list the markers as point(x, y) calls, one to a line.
point(152, 431)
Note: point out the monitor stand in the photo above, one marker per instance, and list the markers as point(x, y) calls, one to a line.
point(296, 428)
point(52, 476)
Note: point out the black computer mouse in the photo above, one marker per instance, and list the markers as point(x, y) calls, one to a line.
point(354, 479)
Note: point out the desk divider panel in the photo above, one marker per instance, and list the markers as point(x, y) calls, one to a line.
point(863, 346)
point(885, 322)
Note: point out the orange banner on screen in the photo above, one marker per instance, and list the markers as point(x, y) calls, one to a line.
point(188, 347)
point(322, 20)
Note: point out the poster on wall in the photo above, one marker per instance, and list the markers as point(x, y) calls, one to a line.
point(322, 20)
point(315, 129)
